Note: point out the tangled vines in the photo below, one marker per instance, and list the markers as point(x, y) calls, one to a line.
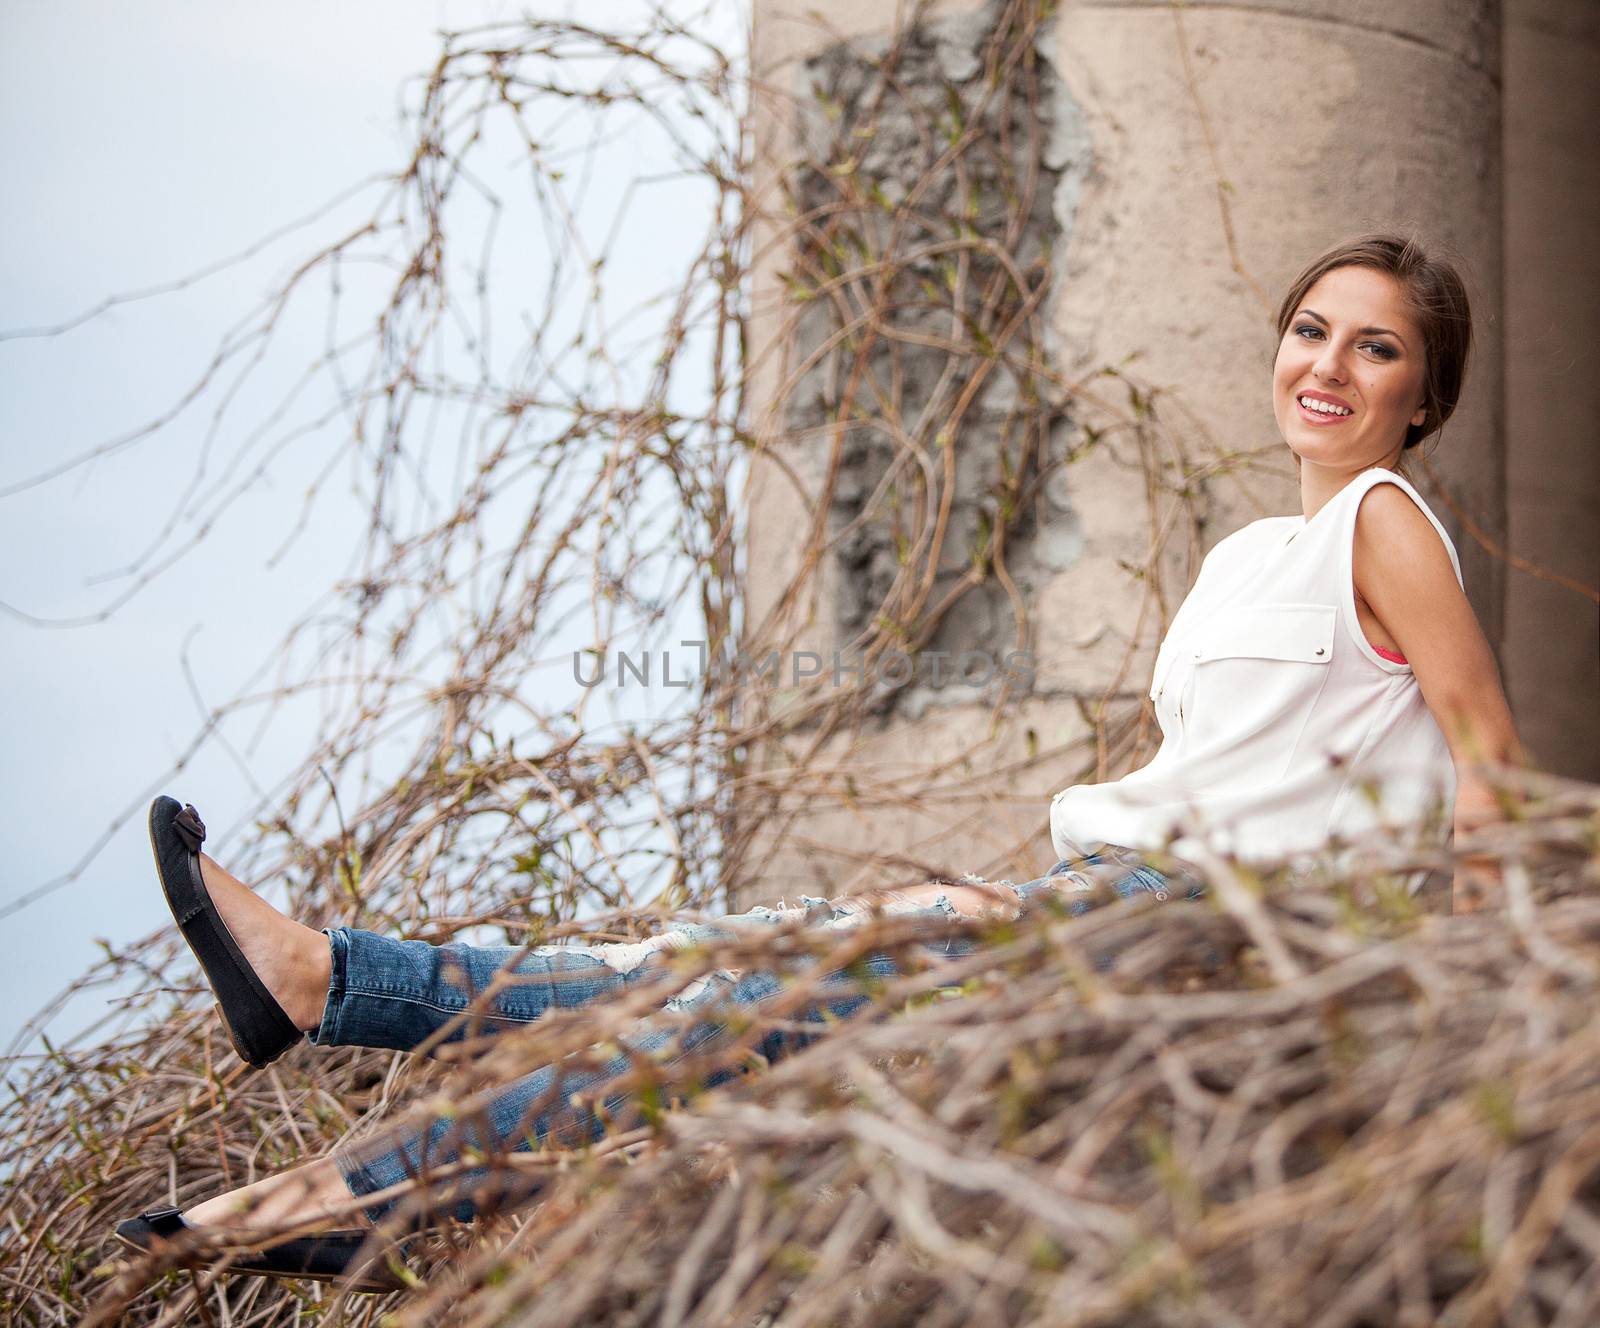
point(1219, 1112)
point(1315, 1103)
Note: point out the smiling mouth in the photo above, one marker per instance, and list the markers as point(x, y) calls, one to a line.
point(1313, 415)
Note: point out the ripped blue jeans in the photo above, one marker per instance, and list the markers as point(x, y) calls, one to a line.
point(397, 994)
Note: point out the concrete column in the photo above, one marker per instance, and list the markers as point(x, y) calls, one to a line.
point(1201, 154)
point(1552, 200)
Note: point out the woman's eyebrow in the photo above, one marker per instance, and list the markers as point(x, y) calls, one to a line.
point(1364, 331)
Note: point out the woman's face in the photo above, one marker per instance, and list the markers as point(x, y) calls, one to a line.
point(1352, 342)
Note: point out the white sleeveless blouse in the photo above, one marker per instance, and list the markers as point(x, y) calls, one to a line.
point(1280, 724)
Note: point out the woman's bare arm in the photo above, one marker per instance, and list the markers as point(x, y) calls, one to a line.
point(1403, 572)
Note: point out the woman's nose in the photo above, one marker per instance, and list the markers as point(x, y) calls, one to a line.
point(1330, 364)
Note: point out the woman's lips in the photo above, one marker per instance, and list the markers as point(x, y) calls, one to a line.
point(1320, 417)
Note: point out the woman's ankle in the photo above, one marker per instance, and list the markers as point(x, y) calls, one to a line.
point(294, 961)
point(317, 970)
point(299, 974)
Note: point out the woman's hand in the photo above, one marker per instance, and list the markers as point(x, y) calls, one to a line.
point(1478, 882)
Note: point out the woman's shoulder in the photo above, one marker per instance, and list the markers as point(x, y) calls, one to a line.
point(1386, 486)
point(1394, 517)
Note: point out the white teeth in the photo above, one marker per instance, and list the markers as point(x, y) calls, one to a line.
point(1323, 406)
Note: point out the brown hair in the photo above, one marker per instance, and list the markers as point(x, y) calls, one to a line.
point(1437, 299)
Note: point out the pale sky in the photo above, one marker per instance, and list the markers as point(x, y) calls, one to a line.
point(144, 143)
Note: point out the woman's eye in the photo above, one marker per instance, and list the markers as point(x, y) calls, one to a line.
point(1386, 352)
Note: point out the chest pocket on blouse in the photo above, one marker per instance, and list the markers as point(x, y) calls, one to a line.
point(1257, 672)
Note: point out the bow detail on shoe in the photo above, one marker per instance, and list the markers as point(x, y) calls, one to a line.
point(164, 1221)
point(191, 829)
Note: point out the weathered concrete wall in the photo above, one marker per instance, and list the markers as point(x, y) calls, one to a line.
point(931, 403)
point(817, 65)
point(1200, 156)
point(1552, 202)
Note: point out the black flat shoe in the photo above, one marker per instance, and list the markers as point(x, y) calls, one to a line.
point(257, 1025)
point(323, 1258)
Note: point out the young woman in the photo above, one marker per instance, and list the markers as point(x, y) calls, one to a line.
point(1321, 659)
point(1317, 656)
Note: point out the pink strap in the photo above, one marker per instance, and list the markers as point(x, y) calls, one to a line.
point(1389, 654)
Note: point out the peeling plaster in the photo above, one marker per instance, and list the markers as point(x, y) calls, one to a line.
point(941, 61)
